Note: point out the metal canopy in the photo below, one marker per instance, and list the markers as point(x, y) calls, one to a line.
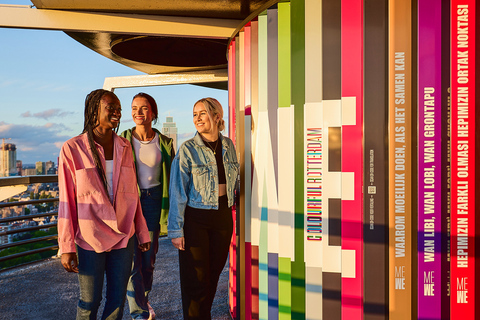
point(225, 9)
point(196, 39)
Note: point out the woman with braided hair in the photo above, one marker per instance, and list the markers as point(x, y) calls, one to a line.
point(99, 211)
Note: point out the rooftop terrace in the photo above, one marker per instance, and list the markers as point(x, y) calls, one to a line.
point(45, 291)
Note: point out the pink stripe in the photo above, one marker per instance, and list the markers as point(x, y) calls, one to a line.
point(352, 154)
point(247, 88)
point(231, 123)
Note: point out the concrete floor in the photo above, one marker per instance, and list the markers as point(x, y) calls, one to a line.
point(45, 291)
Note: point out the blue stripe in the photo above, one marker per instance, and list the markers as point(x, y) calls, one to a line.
point(272, 286)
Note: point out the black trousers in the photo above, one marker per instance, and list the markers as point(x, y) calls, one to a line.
point(207, 240)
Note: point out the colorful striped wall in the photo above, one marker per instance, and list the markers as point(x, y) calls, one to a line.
point(355, 125)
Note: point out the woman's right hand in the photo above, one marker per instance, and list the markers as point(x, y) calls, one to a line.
point(179, 243)
point(70, 262)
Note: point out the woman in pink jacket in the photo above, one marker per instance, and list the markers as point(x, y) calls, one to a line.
point(99, 210)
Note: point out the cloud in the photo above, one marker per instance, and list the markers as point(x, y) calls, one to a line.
point(9, 83)
point(47, 114)
point(4, 127)
point(35, 143)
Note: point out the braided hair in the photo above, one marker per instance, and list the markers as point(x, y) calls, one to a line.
point(92, 106)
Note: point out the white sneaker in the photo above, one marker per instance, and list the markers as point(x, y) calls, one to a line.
point(151, 311)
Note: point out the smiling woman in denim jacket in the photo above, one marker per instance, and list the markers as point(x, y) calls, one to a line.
point(202, 186)
point(152, 153)
point(99, 211)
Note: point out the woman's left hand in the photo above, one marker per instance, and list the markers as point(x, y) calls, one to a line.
point(144, 246)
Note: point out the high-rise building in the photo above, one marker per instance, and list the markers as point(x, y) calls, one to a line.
point(29, 172)
point(19, 168)
point(8, 160)
point(170, 130)
point(39, 167)
point(50, 167)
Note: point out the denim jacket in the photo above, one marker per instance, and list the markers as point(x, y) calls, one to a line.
point(194, 180)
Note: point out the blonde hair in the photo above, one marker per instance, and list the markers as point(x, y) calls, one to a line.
point(213, 108)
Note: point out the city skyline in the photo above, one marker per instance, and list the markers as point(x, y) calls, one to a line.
point(44, 79)
point(168, 128)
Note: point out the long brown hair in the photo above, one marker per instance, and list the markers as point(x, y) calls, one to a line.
point(92, 105)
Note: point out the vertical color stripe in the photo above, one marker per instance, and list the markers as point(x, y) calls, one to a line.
point(429, 160)
point(297, 10)
point(272, 64)
point(313, 51)
point(400, 163)
point(231, 122)
point(284, 101)
point(261, 203)
point(255, 288)
point(463, 160)
point(263, 252)
point(254, 113)
point(272, 155)
point(445, 71)
point(375, 180)
point(316, 195)
point(352, 155)
point(247, 170)
point(240, 144)
point(332, 90)
point(284, 288)
point(284, 66)
point(312, 113)
point(331, 49)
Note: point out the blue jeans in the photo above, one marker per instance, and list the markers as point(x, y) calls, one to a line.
point(92, 267)
point(141, 279)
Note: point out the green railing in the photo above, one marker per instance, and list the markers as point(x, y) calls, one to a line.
point(40, 244)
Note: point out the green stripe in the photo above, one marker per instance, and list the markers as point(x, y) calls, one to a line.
point(284, 288)
point(298, 100)
point(284, 100)
point(262, 107)
point(263, 256)
point(284, 56)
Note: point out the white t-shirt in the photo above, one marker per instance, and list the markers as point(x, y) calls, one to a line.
point(109, 177)
point(148, 157)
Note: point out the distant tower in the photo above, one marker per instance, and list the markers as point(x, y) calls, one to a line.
point(19, 168)
point(8, 160)
point(40, 168)
point(50, 167)
point(170, 130)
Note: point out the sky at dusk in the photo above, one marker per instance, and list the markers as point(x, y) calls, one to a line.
point(44, 79)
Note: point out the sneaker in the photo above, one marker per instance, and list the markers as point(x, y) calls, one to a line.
point(151, 311)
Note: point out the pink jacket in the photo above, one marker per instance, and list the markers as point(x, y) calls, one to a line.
point(86, 216)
